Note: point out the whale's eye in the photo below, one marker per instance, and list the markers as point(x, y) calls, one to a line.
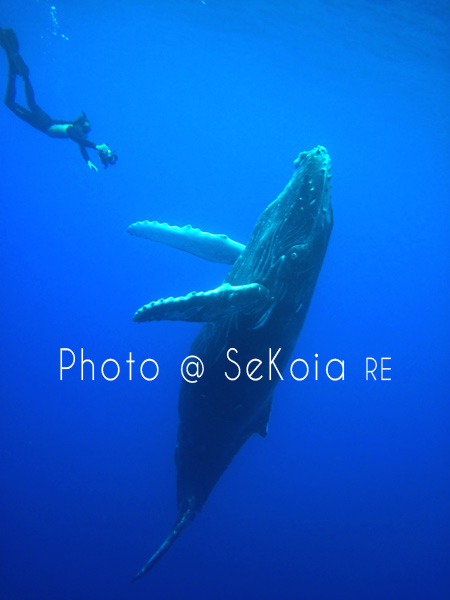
point(294, 255)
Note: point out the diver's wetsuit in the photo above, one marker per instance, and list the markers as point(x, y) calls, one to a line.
point(38, 118)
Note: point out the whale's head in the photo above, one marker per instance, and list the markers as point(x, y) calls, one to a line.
point(289, 242)
point(302, 214)
point(306, 202)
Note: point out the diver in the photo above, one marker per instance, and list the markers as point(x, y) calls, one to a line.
point(75, 130)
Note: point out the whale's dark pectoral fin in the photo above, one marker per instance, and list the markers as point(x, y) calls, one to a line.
point(263, 421)
point(181, 523)
point(205, 306)
point(214, 247)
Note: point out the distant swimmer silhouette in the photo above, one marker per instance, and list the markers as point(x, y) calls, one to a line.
point(75, 130)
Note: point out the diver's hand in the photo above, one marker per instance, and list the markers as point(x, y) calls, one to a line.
point(105, 155)
point(92, 166)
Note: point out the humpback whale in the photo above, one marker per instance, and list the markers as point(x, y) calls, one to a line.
point(259, 309)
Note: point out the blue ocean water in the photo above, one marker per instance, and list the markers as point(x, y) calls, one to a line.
point(208, 104)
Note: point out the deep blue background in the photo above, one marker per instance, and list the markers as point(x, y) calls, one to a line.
point(207, 106)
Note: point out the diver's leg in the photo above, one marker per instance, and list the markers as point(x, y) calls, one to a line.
point(10, 95)
point(29, 94)
point(41, 120)
point(9, 42)
point(37, 118)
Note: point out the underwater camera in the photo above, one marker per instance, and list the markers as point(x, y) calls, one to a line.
point(107, 156)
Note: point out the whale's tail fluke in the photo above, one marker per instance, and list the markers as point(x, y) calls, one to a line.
point(183, 520)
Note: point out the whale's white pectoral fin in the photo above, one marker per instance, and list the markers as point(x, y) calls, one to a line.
point(213, 247)
point(205, 306)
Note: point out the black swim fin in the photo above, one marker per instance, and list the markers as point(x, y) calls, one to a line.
point(10, 43)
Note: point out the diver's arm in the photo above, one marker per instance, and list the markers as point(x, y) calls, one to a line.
point(88, 144)
point(79, 139)
point(85, 155)
point(76, 136)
